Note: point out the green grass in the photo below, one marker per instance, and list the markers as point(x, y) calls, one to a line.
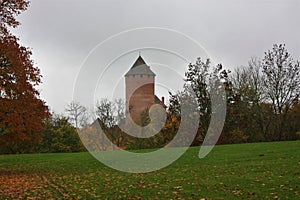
point(245, 171)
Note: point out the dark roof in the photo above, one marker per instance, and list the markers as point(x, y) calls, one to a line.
point(139, 61)
point(140, 68)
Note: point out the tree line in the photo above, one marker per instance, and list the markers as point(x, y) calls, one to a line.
point(262, 102)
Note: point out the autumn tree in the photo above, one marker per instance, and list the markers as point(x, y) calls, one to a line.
point(8, 10)
point(22, 112)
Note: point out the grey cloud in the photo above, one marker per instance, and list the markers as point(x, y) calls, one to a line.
point(62, 32)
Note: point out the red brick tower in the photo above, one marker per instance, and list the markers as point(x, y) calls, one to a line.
point(139, 83)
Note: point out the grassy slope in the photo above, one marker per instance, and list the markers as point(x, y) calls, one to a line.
point(260, 170)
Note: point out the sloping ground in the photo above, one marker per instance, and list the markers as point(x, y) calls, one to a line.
point(246, 171)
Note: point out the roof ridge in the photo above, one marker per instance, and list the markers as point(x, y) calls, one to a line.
point(140, 68)
point(139, 61)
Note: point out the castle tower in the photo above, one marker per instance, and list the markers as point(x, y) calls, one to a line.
point(139, 83)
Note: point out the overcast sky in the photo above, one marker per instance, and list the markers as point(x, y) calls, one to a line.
point(97, 41)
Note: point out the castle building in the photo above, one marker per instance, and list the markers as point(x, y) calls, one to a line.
point(140, 88)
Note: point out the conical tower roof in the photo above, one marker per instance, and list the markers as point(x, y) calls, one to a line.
point(140, 68)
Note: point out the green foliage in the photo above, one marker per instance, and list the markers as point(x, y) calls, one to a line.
point(260, 98)
point(263, 96)
point(201, 79)
point(59, 136)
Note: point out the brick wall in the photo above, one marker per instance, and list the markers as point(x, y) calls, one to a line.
point(139, 94)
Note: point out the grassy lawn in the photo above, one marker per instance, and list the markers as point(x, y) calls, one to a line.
point(245, 171)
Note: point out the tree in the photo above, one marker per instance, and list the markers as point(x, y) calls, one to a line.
point(110, 116)
point(119, 107)
point(22, 112)
point(59, 136)
point(281, 80)
point(77, 114)
point(202, 78)
point(8, 10)
point(244, 111)
point(105, 113)
point(293, 122)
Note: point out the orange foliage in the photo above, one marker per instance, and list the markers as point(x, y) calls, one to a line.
point(22, 113)
point(8, 10)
